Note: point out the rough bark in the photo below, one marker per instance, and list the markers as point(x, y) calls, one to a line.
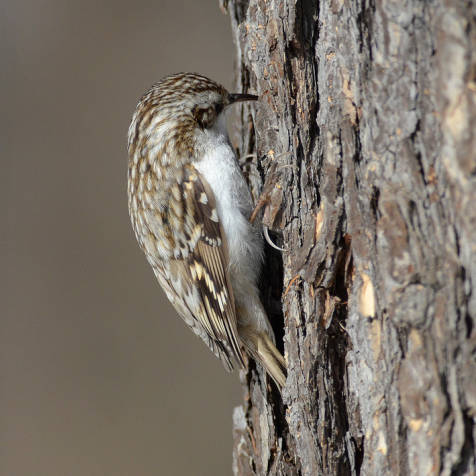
point(364, 140)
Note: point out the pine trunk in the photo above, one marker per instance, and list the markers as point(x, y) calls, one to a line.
point(364, 144)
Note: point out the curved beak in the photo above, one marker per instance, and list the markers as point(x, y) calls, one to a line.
point(241, 97)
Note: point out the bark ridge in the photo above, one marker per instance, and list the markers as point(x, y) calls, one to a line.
point(364, 140)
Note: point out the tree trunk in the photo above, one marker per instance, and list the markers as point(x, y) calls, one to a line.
point(364, 144)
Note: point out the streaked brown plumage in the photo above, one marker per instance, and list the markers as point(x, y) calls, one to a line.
point(189, 207)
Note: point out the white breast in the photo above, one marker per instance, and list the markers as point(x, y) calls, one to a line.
point(220, 169)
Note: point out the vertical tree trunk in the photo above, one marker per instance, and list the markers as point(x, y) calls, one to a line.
point(364, 141)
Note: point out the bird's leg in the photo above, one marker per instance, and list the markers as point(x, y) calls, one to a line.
point(263, 200)
point(272, 196)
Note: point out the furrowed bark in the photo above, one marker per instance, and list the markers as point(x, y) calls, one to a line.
point(364, 139)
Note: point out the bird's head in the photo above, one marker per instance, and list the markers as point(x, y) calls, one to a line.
point(184, 99)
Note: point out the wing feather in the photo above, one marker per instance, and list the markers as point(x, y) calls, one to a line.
point(195, 278)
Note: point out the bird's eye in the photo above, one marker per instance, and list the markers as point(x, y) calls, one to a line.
point(218, 108)
point(205, 116)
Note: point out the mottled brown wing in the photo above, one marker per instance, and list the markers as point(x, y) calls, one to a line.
point(196, 281)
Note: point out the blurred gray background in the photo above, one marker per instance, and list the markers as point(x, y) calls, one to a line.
point(98, 376)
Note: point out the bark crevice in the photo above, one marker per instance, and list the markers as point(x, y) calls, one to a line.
point(364, 140)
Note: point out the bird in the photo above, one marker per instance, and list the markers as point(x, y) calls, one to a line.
point(189, 206)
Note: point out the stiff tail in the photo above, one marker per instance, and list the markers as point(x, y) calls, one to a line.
point(262, 349)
